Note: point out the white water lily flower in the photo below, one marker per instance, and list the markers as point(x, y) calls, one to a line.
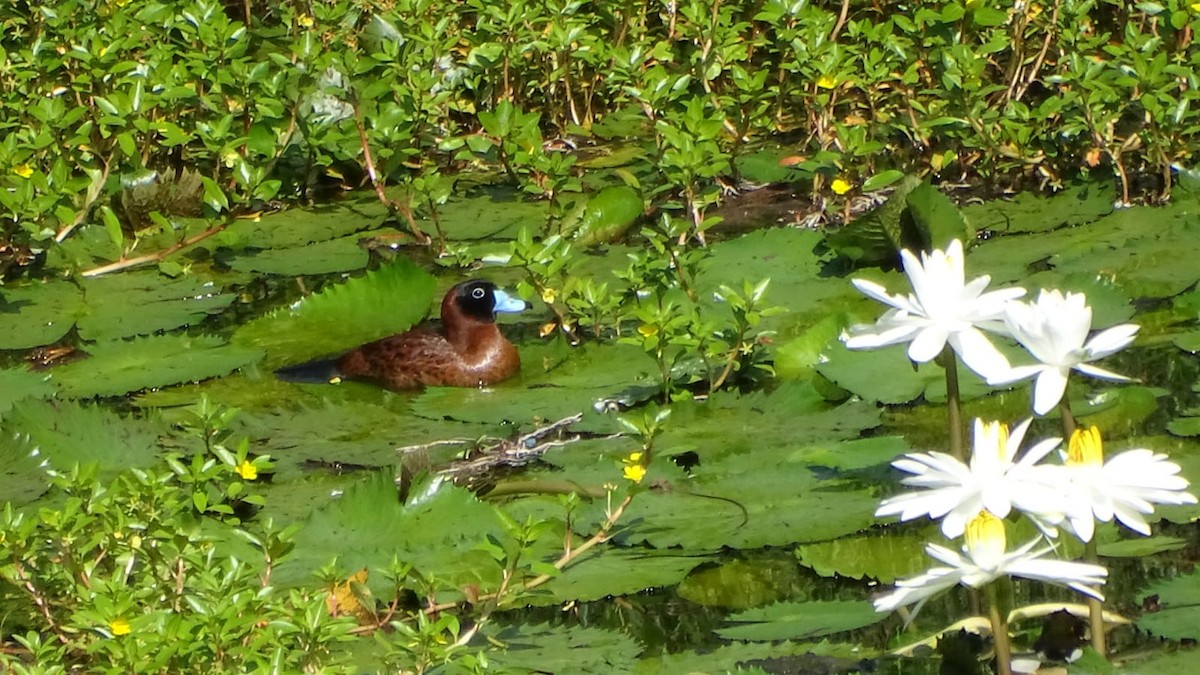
point(941, 309)
point(984, 559)
point(994, 480)
point(1126, 487)
point(1054, 330)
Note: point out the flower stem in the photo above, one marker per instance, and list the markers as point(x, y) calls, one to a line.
point(953, 408)
point(1068, 418)
point(1095, 607)
point(999, 632)
point(1090, 554)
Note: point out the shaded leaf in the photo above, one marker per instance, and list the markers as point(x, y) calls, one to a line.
point(801, 620)
point(139, 303)
point(38, 313)
point(122, 366)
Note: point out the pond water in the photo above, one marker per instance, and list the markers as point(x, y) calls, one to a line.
point(752, 539)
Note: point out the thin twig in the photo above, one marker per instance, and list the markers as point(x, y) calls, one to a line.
point(93, 194)
point(126, 263)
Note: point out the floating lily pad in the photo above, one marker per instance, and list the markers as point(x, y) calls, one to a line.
point(496, 214)
point(295, 228)
point(882, 558)
point(801, 620)
point(1179, 616)
point(1031, 212)
point(22, 476)
point(382, 302)
point(789, 418)
point(121, 366)
point(1140, 547)
point(564, 649)
point(749, 500)
point(346, 433)
point(325, 257)
point(38, 313)
point(369, 527)
point(17, 384)
point(887, 376)
point(140, 303)
point(67, 433)
point(741, 584)
point(616, 572)
point(821, 657)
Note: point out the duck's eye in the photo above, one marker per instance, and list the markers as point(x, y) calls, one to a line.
point(478, 293)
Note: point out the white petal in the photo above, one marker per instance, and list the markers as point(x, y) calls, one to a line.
point(927, 344)
point(1048, 390)
point(1111, 340)
point(1088, 369)
point(874, 291)
point(978, 353)
point(1014, 374)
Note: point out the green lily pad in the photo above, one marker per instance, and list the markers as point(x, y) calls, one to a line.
point(741, 584)
point(497, 213)
point(17, 384)
point(1179, 616)
point(882, 558)
point(38, 313)
point(22, 476)
point(1141, 547)
point(1031, 212)
point(369, 527)
point(823, 657)
point(791, 417)
point(786, 256)
point(380, 303)
point(346, 433)
point(140, 303)
point(887, 376)
point(325, 257)
point(67, 433)
point(763, 498)
point(563, 649)
point(801, 620)
point(616, 572)
point(296, 228)
point(121, 366)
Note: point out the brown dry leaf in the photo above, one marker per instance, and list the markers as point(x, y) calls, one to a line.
point(347, 597)
point(1092, 157)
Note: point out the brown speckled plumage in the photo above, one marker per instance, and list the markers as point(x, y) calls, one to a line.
point(465, 350)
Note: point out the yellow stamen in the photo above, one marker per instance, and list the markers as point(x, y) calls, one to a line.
point(985, 536)
point(1086, 448)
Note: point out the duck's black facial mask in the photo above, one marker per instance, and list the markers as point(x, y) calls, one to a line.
point(481, 300)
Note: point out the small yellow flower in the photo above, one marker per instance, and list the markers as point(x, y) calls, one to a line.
point(548, 295)
point(1086, 448)
point(827, 82)
point(119, 627)
point(1195, 6)
point(634, 473)
point(648, 330)
point(247, 470)
point(23, 170)
point(634, 470)
point(305, 21)
point(840, 186)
